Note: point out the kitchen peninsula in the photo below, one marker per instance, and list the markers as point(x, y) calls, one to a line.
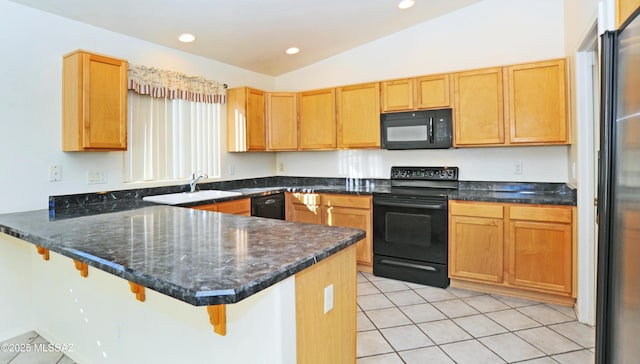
point(272, 276)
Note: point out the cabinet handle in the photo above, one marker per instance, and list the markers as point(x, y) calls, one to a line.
point(431, 130)
point(408, 265)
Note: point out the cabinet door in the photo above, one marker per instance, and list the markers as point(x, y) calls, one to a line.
point(317, 120)
point(358, 109)
point(355, 212)
point(476, 242)
point(94, 103)
point(433, 92)
point(303, 207)
point(541, 248)
point(624, 9)
point(537, 103)
point(478, 107)
point(246, 128)
point(396, 95)
point(282, 121)
point(256, 126)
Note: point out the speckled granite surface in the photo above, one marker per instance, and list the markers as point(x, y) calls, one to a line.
point(199, 257)
point(208, 258)
point(516, 192)
point(513, 192)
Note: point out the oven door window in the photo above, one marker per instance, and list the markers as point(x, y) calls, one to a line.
point(408, 229)
point(408, 133)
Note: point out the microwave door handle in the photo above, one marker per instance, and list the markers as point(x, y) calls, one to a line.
point(431, 129)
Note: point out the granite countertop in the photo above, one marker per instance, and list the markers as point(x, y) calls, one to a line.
point(199, 257)
point(516, 192)
point(508, 192)
point(206, 258)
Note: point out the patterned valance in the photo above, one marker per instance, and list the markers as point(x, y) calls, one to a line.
point(174, 85)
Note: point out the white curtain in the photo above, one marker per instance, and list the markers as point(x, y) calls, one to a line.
point(171, 138)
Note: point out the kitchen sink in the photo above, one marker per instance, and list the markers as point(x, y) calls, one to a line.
point(188, 197)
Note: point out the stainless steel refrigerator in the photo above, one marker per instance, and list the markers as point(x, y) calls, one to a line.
point(618, 306)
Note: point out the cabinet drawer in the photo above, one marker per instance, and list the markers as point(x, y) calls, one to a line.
point(360, 202)
point(305, 198)
point(476, 209)
point(559, 214)
point(241, 207)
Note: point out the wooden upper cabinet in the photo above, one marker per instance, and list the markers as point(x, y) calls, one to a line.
point(282, 121)
point(426, 92)
point(358, 116)
point(246, 127)
point(537, 103)
point(397, 95)
point(317, 119)
point(94, 102)
point(624, 9)
point(478, 107)
point(433, 92)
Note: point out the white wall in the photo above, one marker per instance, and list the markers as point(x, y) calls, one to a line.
point(16, 301)
point(33, 43)
point(536, 163)
point(487, 33)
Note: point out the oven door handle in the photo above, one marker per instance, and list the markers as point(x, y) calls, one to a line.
point(408, 265)
point(436, 206)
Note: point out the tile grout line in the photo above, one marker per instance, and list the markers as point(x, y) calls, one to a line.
point(484, 314)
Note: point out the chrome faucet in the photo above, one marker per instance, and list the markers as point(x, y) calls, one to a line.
point(195, 177)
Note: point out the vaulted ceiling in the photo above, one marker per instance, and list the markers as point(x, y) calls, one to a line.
point(253, 34)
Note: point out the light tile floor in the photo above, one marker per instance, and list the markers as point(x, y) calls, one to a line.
point(400, 322)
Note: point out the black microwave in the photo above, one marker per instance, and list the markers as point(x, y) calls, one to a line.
point(425, 129)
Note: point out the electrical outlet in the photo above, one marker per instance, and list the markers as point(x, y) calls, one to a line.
point(281, 167)
point(55, 173)
point(231, 169)
point(328, 298)
point(517, 168)
point(96, 176)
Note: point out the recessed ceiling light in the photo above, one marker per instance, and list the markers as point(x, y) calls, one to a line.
point(406, 4)
point(186, 38)
point(292, 50)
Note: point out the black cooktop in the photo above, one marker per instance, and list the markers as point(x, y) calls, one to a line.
point(423, 181)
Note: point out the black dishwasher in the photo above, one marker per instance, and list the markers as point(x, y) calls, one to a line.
point(270, 206)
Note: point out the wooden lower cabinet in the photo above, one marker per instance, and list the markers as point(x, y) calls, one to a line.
point(303, 207)
point(478, 231)
point(517, 249)
point(355, 212)
point(336, 210)
point(237, 207)
point(541, 248)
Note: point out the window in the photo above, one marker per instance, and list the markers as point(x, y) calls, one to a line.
point(172, 132)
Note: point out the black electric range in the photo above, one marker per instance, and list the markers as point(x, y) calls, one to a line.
point(410, 225)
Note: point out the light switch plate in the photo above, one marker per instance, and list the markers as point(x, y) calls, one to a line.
point(328, 298)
